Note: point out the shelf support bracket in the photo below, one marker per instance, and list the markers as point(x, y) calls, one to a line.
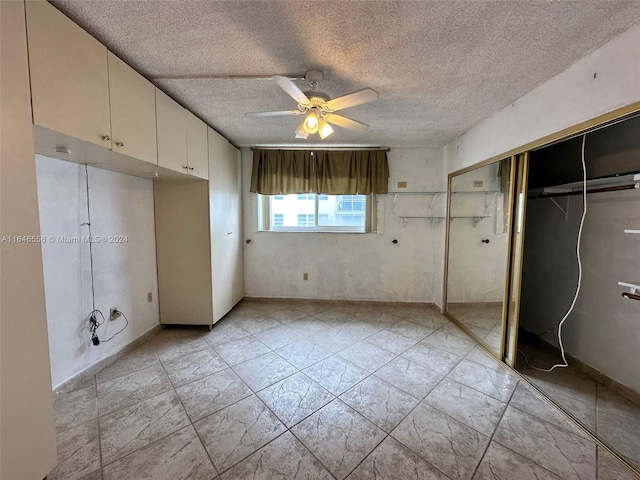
point(565, 211)
point(433, 200)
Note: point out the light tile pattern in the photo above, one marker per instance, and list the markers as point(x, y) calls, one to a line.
point(294, 390)
point(612, 417)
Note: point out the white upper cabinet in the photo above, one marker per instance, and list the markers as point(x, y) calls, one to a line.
point(171, 121)
point(133, 112)
point(69, 78)
point(197, 151)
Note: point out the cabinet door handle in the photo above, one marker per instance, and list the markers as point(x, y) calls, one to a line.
point(229, 233)
point(106, 138)
point(184, 166)
point(119, 144)
point(190, 168)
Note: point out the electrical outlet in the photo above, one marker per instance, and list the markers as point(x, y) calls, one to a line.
point(114, 313)
point(478, 183)
point(149, 297)
point(402, 184)
point(305, 276)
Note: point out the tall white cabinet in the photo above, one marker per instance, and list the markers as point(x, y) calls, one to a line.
point(199, 240)
point(225, 207)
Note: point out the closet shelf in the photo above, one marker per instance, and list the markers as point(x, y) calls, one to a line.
point(634, 287)
point(632, 231)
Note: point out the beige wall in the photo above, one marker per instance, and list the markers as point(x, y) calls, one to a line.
point(571, 97)
point(27, 448)
point(124, 271)
point(356, 266)
point(603, 330)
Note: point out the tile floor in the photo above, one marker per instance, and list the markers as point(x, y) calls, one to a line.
point(317, 391)
point(612, 417)
point(483, 319)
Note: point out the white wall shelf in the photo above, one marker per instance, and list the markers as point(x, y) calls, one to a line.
point(476, 219)
point(632, 231)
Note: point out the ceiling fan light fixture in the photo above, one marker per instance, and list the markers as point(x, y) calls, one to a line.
point(301, 132)
point(324, 129)
point(310, 124)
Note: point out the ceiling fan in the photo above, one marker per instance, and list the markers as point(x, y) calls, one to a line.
point(318, 109)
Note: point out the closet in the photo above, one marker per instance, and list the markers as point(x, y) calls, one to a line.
point(599, 387)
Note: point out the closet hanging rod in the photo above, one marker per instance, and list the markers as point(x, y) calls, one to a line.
point(579, 192)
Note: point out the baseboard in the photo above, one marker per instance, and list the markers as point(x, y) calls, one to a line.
point(86, 377)
point(480, 304)
point(330, 301)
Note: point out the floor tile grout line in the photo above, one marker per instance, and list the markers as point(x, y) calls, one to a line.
point(308, 450)
point(462, 421)
point(191, 424)
point(384, 326)
point(495, 429)
point(144, 399)
point(548, 423)
point(474, 388)
point(390, 434)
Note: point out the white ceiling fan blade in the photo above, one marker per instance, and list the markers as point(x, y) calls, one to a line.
point(281, 113)
point(345, 122)
point(291, 88)
point(352, 99)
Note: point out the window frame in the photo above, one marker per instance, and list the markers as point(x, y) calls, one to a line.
point(264, 218)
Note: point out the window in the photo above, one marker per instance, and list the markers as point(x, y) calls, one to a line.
point(351, 203)
point(306, 219)
point(311, 212)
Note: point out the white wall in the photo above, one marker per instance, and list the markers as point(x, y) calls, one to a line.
point(604, 329)
point(477, 269)
point(567, 99)
point(354, 266)
point(27, 435)
point(124, 272)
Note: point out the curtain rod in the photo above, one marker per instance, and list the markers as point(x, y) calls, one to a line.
point(385, 149)
point(579, 192)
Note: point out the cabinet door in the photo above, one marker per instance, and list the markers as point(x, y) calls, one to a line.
point(69, 78)
point(133, 112)
point(236, 246)
point(183, 251)
point(225, 234)
point(171, 121)
point(197, 151)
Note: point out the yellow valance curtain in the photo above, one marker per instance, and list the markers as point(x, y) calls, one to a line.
point(333, 172)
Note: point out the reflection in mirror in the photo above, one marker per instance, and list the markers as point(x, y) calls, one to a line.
point(477, 257)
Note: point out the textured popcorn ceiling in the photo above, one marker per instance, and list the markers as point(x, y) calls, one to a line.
point(439, 67)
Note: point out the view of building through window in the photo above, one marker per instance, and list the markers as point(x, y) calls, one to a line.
point(309, 210)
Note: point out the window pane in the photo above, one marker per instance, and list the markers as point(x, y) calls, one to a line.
point(342, 211)
point(290, 212)
point(284, 212)
point(306, 220)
